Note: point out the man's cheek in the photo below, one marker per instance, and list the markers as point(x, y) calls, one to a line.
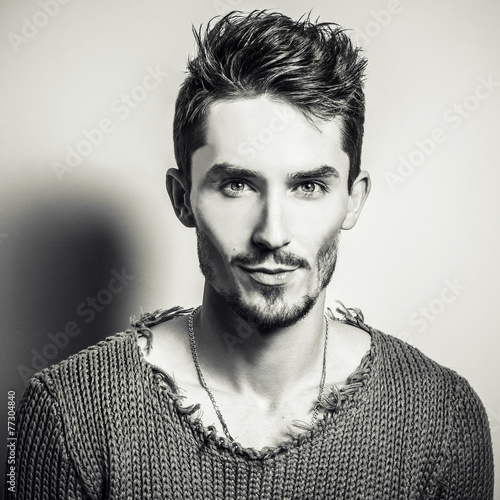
point(230, 229)
point(216, 246)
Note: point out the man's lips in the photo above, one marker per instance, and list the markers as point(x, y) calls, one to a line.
point(268, 270)
point(270, 275)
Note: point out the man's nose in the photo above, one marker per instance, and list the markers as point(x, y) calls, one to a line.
point(272, 230)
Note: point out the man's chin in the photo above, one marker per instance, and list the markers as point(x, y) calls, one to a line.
point(272, 313)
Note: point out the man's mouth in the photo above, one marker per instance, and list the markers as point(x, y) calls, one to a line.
point(271, 276)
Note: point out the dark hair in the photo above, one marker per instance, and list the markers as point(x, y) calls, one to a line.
point(312, 66)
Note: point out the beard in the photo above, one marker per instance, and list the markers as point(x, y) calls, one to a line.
point(277, 312)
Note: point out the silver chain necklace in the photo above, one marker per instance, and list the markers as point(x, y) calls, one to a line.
point(192, 342)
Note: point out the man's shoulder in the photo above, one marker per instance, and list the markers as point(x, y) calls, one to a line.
point(401, 363)
point(91, 368)
point(417, 374)
point(410, 360)
point(117, 353)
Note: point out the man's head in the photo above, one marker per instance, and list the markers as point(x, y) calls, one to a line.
point(313, 67)
point(268, 160)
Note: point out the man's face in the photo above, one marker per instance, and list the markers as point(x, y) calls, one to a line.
point(269, 197)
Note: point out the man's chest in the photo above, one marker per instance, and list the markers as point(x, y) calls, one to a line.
point(252, 422)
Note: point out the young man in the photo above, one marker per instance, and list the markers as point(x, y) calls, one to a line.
point(258, 393)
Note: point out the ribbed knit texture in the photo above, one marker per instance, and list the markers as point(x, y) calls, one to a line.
point(105, 424)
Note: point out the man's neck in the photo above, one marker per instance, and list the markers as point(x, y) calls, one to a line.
point(264, 365)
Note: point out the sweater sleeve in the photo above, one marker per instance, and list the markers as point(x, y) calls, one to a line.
point(44, 469)
point(469, 455)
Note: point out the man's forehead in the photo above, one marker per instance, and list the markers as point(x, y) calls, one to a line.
point(263, 116)
point(261, 133)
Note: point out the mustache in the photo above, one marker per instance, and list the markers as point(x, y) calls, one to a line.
point(280, 257)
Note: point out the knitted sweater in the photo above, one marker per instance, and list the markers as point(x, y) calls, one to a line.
point(106, 424)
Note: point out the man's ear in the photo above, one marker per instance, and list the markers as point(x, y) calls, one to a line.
point(359, 192)
point(179, 196)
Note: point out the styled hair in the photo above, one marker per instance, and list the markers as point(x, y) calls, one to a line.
point(312, 66)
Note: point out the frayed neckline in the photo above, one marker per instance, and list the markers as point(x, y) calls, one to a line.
point(335, 401)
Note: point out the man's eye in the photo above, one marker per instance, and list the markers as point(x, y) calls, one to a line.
point(308, 187)
point(235, 188)
point(311, 188)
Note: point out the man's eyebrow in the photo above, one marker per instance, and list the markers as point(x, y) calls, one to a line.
point(231, 170)
point(225, 168)
point(316, 173)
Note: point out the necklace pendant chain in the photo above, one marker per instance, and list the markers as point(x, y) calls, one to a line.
point(194, 352)
point(192, 343)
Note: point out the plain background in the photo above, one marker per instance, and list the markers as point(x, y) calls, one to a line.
point(64, 235)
